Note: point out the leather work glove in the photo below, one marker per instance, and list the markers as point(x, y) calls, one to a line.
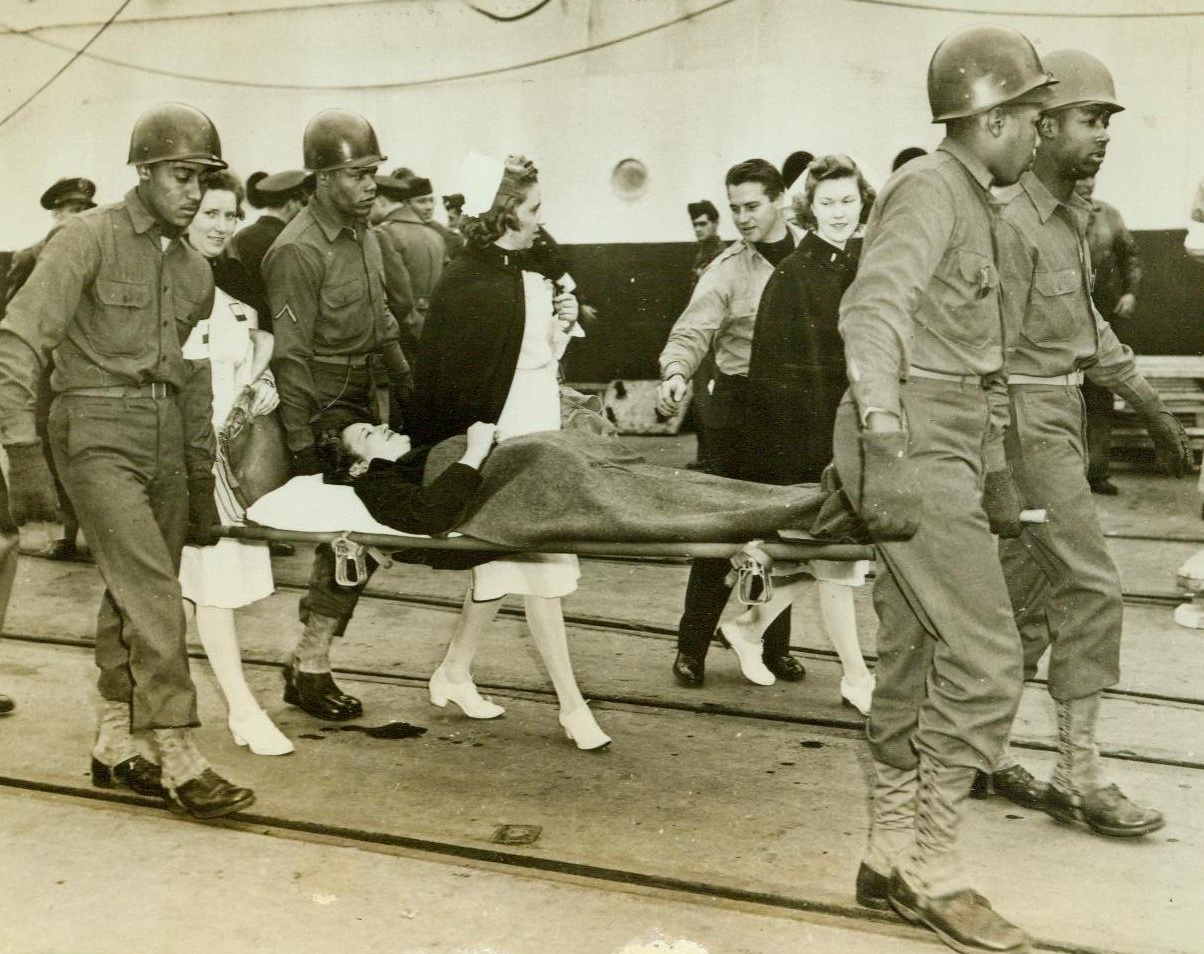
point(306, 462)
point(1001, 501)
point(1171, 443)
point(890, 486)
point(31, 488)
point(202, 511)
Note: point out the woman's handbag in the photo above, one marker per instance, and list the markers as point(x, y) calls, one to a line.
point(252, 457)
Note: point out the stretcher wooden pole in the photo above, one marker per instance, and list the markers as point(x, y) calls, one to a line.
point(793, 550)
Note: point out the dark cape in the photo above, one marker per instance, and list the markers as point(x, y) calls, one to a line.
point(796, 375)
point(235, 279)
point(470, 345)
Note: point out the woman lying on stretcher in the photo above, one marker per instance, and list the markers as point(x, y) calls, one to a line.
point(386, 474)
point(578, 485)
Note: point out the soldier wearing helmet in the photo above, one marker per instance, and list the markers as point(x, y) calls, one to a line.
point(336, 348)
point(113, 295)
point(922, 329)
point(1063, 582)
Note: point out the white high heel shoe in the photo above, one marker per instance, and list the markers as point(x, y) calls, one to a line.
point(749, 654)
point(858, 695)
point(260, 734)
point(581, 728)
point(463, 694)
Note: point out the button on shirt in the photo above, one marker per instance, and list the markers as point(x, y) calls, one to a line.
point(111, 302)
point(927, 292)
point(326, 291)
point(721, 313)
point(1053, 327)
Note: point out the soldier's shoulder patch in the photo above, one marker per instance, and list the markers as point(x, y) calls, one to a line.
point(286, 312)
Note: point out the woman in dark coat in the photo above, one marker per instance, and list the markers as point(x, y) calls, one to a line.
point(490, 349)
point(796, 380)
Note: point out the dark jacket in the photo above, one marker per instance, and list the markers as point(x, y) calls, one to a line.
point(392, 492)
point(796, 372)
point(470, 344)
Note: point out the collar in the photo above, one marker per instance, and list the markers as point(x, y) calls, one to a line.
point(975, 166)
point(142, 219)
point(823, 251)
point(501, 257)
point(329, 220)
point(1046, 203)
point(403, 213)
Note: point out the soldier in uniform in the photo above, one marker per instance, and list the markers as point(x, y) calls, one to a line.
point(64, 200)
point(113, 295)
point(918, 447)
point(336, 348)
point(1064, 585)
point(411, 245)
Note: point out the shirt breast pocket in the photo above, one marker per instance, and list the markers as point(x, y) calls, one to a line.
point(966, 299)
point(121, 325)
point(1054, 308)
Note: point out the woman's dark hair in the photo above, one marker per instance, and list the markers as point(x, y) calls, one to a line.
point(223, 180)
point(756, 170)
point(836, 166)
point(271, 200)
point(483, 230)
point(333, 455)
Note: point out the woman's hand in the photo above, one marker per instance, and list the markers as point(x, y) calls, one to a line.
point(265, 398)
point(567, 310)
point(481, 438)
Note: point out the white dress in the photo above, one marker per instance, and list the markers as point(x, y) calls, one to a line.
point(232, 573)
point(533, 404)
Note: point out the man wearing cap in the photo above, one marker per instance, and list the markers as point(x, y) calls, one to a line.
point(112, 297)
point(336, 347)
point(64, 200)
point(409, 242)
point(453, 207)
point(1064, 585)
point(918, 448)
point(281, 196)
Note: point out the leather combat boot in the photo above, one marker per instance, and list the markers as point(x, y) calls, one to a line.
point(1106, 810)
point(1017, 784)
point(964, 920)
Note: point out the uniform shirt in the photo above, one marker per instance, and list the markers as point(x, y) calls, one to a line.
point(721, 313)
point(420, 248)
point(706, 252)
point(927, 292)
point(326, 291)
point(1053, 327)
point(1114, 257)
point(111, 305)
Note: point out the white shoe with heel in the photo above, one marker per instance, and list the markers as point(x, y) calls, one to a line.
point(463, 694)
point(749, 654)
point(581, 728)
point(259, 733)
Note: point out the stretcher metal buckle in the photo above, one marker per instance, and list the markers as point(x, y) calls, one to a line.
point(753, 582)
point(350, 564)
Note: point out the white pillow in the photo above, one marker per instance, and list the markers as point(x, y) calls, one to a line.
point(309, 505)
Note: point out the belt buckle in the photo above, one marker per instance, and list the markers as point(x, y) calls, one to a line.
point(158, 389)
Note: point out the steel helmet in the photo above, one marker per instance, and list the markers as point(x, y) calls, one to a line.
point(338, 139)
point(978, 68)
point(1082, 79)
point(175, 131)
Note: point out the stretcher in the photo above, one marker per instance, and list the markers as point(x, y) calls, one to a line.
point(308, 511)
